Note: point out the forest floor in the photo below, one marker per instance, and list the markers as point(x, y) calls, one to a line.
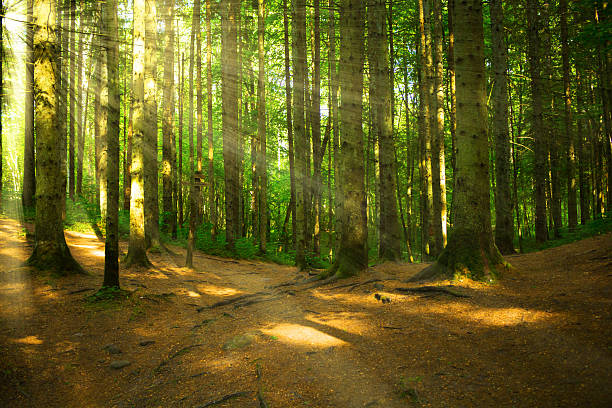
point(249, 334)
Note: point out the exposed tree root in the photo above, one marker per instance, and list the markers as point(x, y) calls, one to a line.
point(224, 398)
point(355, 284)
point(231, 301)
point(178, 353)
point(433, 289)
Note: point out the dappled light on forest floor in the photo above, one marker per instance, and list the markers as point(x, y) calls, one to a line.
point(32, 340)
point(217, 290)
point(354, 323)
point(302, 335)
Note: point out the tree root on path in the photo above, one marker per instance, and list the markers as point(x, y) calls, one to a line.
point(433, 289)
point(178, 353)
point(355, 284)
point(225, 398)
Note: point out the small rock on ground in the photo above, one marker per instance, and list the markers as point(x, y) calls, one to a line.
point(112, 349)
point(119, 364)
point(146, 342)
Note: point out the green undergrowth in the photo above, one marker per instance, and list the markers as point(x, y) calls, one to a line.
point(598, 226)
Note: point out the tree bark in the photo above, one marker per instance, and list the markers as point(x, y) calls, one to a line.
point(212, 207)
point(262, 174)
point(380, 102)
point(289, 120)
point(317, 156)
point(137, 254)
point(29, 180)
point(333, 88)
point(72, 93)
point(537, 126)
point(504, 227)
point(229, 94)
point(150, 146)
point(169, 215)
point(583, 160)
point(50, 249)
point(452, 96)
point(471, 251)
point(352, 253)
point(111, 248)
point(101, 120)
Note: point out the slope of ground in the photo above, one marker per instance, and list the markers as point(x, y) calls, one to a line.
point(247, 334)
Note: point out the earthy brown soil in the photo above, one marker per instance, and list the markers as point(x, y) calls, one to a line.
point(540, 337)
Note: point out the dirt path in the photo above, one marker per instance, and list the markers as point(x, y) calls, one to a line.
point(540, 337)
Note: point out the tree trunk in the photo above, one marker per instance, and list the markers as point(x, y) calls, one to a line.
point(229, 94)
point(437, 129)
point(101, 120)
point(537, 126)
point(380, 102)
point(79, 113)
point(50, 249)
point(150, 153)
point(29, 180)
point(111, 251)
point(299, 130)
point(199, 110)
point(211, 168)
point(452, 96)
point(504, 228)
point(180, 142)
point(168, 119)
point(583, 160)
point(261, 130)
point(425, 135)
point(137, 254)
point(471, 251)
point(72, 93)
point(352, 253)
point(572, 210)
point(317, 156)
point(289, 121)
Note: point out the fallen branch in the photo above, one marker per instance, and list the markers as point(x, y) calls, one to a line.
point(176, 354)
point(224, 398)
point(231, 301)
point(433, 289)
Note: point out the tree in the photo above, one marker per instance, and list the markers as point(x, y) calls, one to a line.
point(298, 30)
point(29, 181)
point(168, 119)
point(72, 87)
point(352, 253)
point(50, 249)
point(537, 126)
point(380, 100)
point(111, 248)
point(262, 182)
point(230, 106)
point(504, 227)
point(137, 254)
point(471, 251)
point(212, 206)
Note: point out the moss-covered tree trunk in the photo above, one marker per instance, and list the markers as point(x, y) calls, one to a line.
point(289, 118)
point(471, 251)
point(380, 101)
point(352, 253)
point(29, 181)
point(262, 174)
point(72, 118)
point(168, 119)
point(137, 254)
point(50, 249)
point(111, 249)
point(333, 90)
point(504, 226)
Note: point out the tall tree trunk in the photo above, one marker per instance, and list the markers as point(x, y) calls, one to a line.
point(137, 254)
point(583, 160)
point(471, 250)
point(437, 128)
point(333, 89)
point(262, 174)
point(29, 181)
point(168, 119)
point(193, 206)
point(317, 155)
point(537, 126)
point(111, 248)
point(150, 157)
point(79, 112)
point(572, 210)
point(452, 96)
point(299, 130)
point(62, 36)
point(352, 253)
point(101, 120)
point(50, 249)
point(229, 75)
point(425, 134)
point(289, 120)
point(72, 93)
point(380, 102)
point(127, 173)
point(199, 120)
point(212, 207)
point(504, 228)
point(180, 203)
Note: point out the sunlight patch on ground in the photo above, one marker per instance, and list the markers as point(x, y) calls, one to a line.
point(347, 298)
point(193, 294)
point(355, 323)
point(218, 290)
point(297, 334)
point(34, 340)
point(222, 363)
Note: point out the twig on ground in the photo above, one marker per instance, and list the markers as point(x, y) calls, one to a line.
point(224, 398)
point(74, 292)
